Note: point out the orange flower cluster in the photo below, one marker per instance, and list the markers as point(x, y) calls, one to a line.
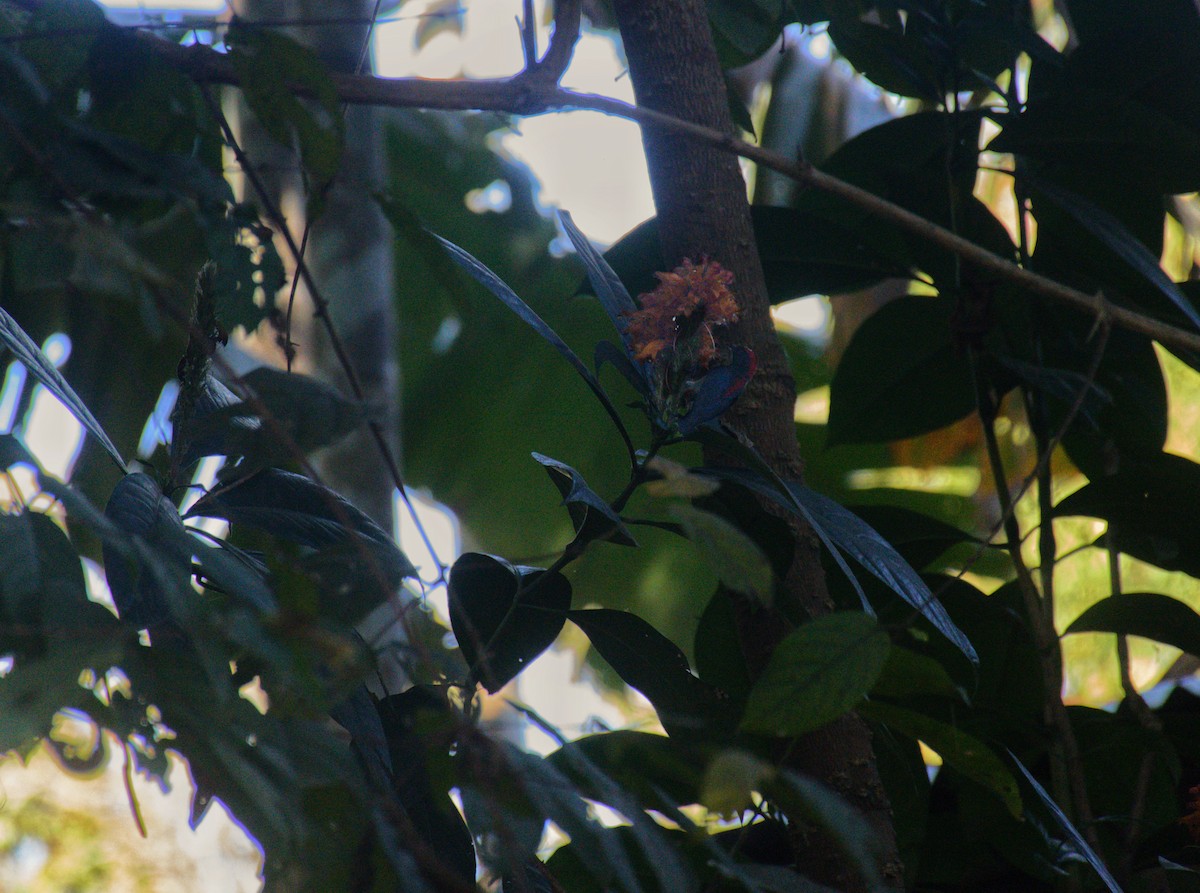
point(690, 288)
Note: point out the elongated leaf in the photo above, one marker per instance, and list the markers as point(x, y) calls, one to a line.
point(15, 339)
point(1150, 615)
point(1114, 234)
point(736, 559)
point(294, 508)
point(876, 554)
point(650, 662)
point(608, 285)
point(839, 528)
point(504, 616)
point(497, 287)
point(1072, 832)
point(767, 483)
point(964, 752)
point(819, 672)
point(591, 515)
point(146, 587)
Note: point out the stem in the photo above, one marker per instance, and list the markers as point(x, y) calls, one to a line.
point(1066, 767)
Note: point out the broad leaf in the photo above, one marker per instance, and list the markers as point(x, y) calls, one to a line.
point(269, 65)
point(295, 508)
point(819, 672)
point(504, 616)
point(829, 810)
point(147, 585)
point(650, 662)
point(15, 339)
point(1150, 615)
point(901, 375)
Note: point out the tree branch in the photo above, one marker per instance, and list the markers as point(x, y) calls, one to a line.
point(535, 90)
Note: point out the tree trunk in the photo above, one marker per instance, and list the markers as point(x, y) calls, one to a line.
point(700, 197)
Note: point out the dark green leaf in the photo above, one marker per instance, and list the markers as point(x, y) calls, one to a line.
point(908, 673)
point(292, 507)
point(964, 752)
point(13, 452)
point(606, 284)
point(1117, 238)
point(15, 339)
point(504, 616)
point(901, 375)
point(645, 765)
point(877, 555)
point(147, 585)
point(1146, 614)
point(1151, 506)
point(591, 516)
point(1072, 832)
point(736, 559)
point(648, 661)
point(819, 672)
point(918, 537)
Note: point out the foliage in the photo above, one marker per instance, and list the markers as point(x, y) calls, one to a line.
point(113, 203)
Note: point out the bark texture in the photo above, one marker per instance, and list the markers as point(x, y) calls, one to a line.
point(700, 197)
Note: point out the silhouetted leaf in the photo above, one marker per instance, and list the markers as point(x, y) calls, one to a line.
point(269, 65)
point(650, 662)
point(15, 339)
point(829, 810)
point(147, 586)
point(504, 616)
point(1115, 236)
point(819, 672)
point(590, 515)
point(295, 508)
point(900, 375)
point(1150, 615)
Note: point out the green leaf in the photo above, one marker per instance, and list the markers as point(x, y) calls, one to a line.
point(300, 414)
point(269, 65)
point(504, 616)
point(965, 753)
point(15, 339)
point(591, 516)
point(907, 674)
point(1150, 615)
point(650, 662)
point(900, 375)
point(647, 766)
point(736, 559)
point(819, 672)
